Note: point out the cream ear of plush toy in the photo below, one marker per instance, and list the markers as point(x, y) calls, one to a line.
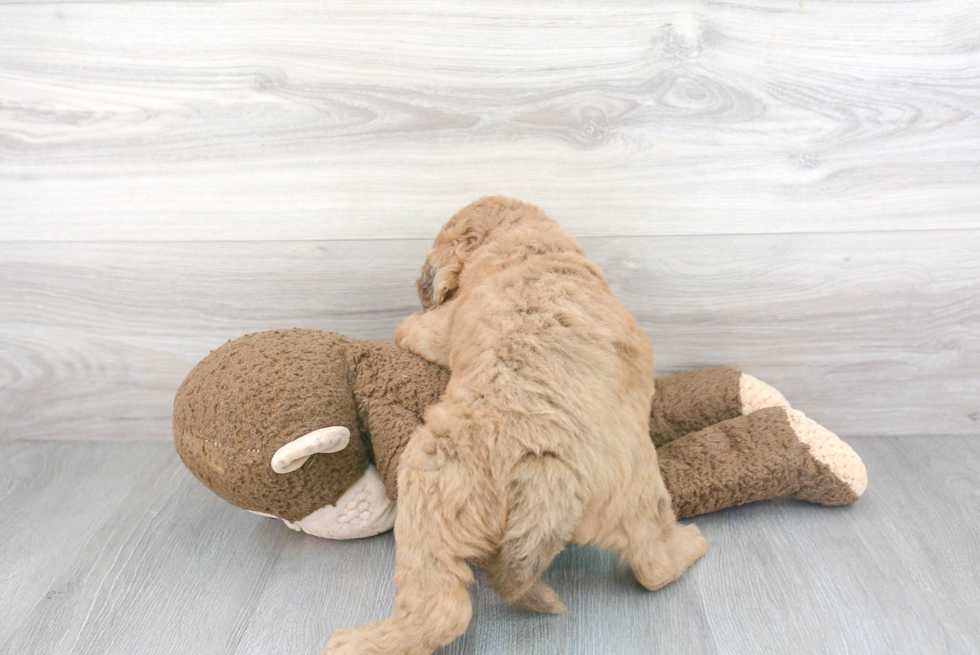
point(307, 426)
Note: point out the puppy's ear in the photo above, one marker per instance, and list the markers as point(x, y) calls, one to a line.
point(424, 285)
point(437, 284)
point(440, 273)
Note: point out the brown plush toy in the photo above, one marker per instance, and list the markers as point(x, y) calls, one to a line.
point(308, 426)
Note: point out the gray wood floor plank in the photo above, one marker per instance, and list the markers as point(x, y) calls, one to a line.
point(882, 576)
point(940, 489)
point(54, 497)
point(144, 120)
point(871, 334)
point(170, 568)
point(157, 572)
point(338, 583)
point(608, 611)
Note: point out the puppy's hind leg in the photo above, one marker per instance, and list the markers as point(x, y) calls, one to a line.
point(542, 513)
point(642, 527)
point(432, 605)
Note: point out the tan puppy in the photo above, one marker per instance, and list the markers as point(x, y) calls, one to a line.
point(540, 439)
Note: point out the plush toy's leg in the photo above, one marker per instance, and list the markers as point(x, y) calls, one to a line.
point(754, 394)
point(688, 402)
point(771, 452)
point(840, 476)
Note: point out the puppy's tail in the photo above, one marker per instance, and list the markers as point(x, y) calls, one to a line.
point(543, 511)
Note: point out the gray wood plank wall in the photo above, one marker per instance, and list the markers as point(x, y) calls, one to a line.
point(789, 187)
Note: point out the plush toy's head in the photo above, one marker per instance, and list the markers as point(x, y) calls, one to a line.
point(256, 394)
point(280, 423)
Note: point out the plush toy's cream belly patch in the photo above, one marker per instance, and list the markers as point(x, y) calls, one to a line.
point(363, 511)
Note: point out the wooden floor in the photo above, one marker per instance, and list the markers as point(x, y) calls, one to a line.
point(115, 548)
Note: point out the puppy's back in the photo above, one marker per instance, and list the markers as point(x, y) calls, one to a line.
point(547, 349)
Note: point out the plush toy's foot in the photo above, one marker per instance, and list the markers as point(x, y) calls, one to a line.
point(754, 394)
point(838, 476)
point(363, 511)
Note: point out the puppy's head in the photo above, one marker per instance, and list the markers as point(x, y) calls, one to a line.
point(456, 243)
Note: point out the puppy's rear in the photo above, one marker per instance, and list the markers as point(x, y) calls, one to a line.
point(542, 435)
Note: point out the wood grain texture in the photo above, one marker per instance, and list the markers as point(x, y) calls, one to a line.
point(307, 120)
point(144, 559)
point(96, 598)
point(57, 498)
point(870, 334)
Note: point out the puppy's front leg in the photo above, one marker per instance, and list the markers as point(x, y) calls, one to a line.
point(427, 334)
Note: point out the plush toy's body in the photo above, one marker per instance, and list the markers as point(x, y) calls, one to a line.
point(287, 423)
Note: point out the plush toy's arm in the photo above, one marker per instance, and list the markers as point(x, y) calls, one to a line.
point(688, 402)
point(392, 389)
point(769, 453)
point(390, 426)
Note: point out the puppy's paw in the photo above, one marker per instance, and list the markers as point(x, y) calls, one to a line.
point(417, 335)
point(691, 545)
point(541, 598)
point(379, 638)
point(412, 333)
point(671, 557)
point(404, 330)
point(352, 641)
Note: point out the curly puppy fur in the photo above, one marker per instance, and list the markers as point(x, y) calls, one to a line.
point(541, 438)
